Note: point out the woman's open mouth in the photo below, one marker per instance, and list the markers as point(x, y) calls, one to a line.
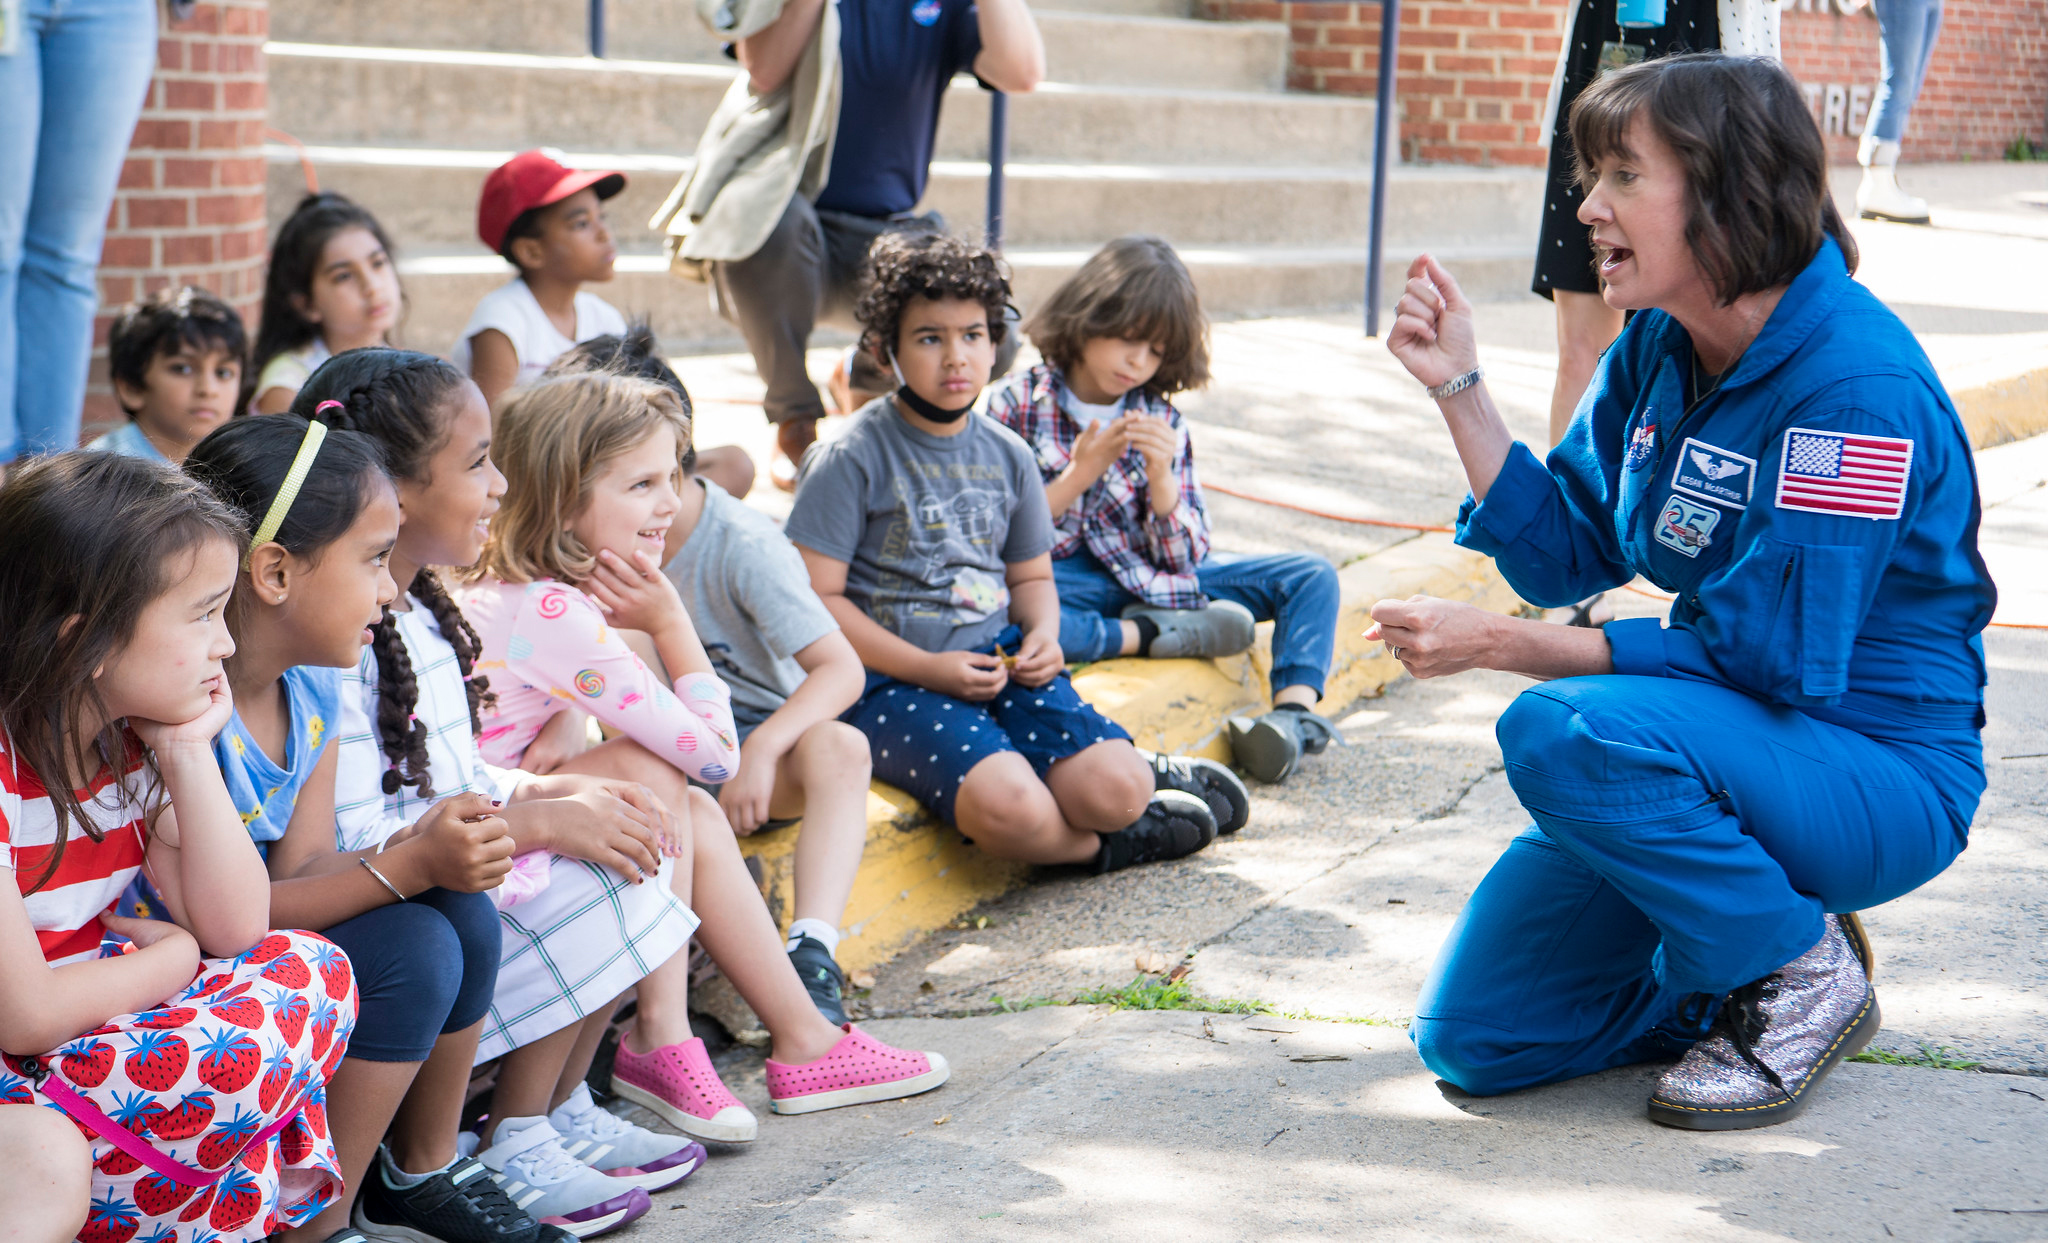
point(1613, 257)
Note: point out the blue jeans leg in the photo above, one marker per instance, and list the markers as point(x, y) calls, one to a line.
point(70, 97)
point(1907, 30)
point(1089, 603)
point(1298, 593)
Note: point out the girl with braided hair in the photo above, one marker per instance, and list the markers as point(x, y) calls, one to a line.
point(603, 913)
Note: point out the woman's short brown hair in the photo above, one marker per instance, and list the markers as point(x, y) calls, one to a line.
point(552, 441)
point(1754, 162)
point(1134, 289)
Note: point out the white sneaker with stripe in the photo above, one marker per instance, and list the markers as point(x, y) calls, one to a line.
point(537, 1172)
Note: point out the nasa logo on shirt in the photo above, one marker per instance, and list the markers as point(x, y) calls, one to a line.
point(1713, 474)
point(1642, 444)
point(926, 12)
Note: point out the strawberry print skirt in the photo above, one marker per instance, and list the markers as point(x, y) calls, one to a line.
point(207, 1115)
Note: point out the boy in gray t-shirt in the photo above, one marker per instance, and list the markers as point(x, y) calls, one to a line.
point(925, 530)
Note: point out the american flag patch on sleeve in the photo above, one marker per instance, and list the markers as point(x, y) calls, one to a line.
point(1842, 473)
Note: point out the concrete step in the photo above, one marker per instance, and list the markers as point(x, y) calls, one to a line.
point(443, 287)
point(372, 96)
point(1096, 46)
point(428, 198)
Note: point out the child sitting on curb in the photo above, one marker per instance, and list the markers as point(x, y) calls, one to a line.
point(573, 556)
point(791, 672)
point(176, 361)
point(925, 531)
point(547, 221)
point(332, 286)
point(1131, 553)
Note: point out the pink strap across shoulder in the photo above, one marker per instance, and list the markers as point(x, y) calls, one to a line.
point(83, 1110)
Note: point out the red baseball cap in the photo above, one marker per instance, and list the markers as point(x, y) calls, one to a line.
point(528, 180)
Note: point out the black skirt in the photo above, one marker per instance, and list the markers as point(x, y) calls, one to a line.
point(1564, 255)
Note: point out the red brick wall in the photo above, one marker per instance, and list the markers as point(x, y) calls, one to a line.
point(1474, 74)
point(1987, 83)
point(190, 205)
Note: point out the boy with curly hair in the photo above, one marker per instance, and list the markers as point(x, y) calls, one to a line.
point(925, 531)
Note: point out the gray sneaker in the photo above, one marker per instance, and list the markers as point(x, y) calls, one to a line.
point(1773, 1042)
point(1223, 628)
point(1270, 747)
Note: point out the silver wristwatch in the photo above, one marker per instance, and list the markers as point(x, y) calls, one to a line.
point(1456, 384)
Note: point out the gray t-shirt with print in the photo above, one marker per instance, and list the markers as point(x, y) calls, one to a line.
point(926, 524)
point(751, 601)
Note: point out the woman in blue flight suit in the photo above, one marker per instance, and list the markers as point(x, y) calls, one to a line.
point(1768, 442)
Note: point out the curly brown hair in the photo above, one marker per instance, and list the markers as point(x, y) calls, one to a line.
point(1136, 289)
point(932, 266)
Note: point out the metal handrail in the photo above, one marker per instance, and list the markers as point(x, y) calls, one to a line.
point(1383, 130)
point(999, 146)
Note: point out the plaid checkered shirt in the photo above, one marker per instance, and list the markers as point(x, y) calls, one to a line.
point(1153, 555)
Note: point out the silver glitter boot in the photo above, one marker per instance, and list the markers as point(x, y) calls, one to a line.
point(1773, 1042)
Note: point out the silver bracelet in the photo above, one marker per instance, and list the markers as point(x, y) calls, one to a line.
point(1456, 384)
point(381, 880)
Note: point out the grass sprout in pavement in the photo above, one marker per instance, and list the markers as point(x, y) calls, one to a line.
point(1933, 1057)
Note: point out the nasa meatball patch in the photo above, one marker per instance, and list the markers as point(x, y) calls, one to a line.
point(1713, 474)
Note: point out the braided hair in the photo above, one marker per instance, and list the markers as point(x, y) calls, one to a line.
point(401, 400)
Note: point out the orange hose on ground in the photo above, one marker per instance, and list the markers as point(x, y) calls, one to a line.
point(1319, 513)
point(305, 159)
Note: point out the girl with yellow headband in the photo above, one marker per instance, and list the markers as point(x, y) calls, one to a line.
point(415, 919)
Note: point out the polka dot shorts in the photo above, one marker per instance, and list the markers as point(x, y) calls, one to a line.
point(926, 743)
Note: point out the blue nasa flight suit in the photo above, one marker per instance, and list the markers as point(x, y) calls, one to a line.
point(1802, 737)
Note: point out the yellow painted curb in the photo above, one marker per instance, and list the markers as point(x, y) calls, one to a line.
point(918, 875)
point(2004, 410)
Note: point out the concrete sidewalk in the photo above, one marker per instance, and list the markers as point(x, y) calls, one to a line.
point(1084, 1122)
point(1066, 1121)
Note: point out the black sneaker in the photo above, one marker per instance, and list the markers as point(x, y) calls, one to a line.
point(461, 1204)
point(1229, 802)
point(1175, 825)
point(1270, 747)
point(822, 978)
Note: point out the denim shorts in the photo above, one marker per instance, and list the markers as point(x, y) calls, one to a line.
point(926, 743)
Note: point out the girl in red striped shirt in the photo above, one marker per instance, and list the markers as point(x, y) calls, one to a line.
point(191, 1064)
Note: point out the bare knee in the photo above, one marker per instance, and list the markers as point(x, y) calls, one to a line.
point(49, 1183)
point(834, 751)
point(1104, 787)
point(728, 466)
point(1002, 799)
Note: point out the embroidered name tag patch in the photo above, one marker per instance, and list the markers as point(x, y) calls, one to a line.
point(1837, 473)
point(1685, 526)
point(1642, 445)
point(1713, 474)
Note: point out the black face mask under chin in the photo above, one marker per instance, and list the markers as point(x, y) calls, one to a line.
point(925, 409)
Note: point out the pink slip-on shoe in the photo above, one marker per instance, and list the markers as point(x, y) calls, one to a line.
point(677, 1082)
point(859, 1069)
